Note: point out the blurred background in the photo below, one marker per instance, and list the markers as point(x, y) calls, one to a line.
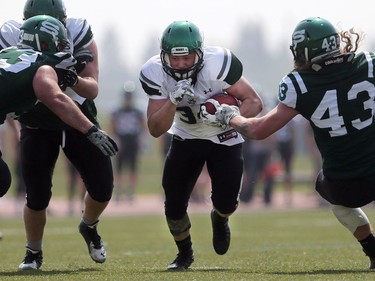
point(259, 33)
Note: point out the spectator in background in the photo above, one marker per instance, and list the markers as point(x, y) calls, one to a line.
point(285, 138)
point(257, 163)
point(20, 188)
point(128, 125)
point(316, 160)
point(75, 185)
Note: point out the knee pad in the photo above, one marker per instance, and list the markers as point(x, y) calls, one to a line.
point(177, 227)
point(351, 218)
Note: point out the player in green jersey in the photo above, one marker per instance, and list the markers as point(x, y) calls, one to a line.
point(44, 135)
point(333, 87)
point(34, 72)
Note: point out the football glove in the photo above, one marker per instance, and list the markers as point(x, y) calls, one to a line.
point(210, 119)
point(100, 139)
point(83, 56)
point(224, 113)
point(66, 73)
point(67, 78)
point(182, 88)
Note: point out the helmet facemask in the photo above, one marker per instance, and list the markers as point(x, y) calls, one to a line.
point(180, 74)
point(182, 38)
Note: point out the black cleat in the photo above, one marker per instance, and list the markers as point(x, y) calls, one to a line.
point(94, 242)
point(32, 261)
point(372, 264)
point(221, 233)
point(182, 261)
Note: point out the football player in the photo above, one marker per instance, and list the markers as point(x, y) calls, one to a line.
point(333, 87)
point(34, 72)
point(43, 133)
point(177, 81)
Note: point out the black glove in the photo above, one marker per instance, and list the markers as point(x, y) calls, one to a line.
point(67, 77)
point(100, 139)
point(83, 56)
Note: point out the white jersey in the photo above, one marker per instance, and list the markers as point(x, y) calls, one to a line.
point(210, 81)
point(79, 33)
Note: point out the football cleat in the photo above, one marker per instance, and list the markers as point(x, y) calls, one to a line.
point(372, 264)
point(94, 242)
point(32, 261)
point(182, 261)
point(221, 233)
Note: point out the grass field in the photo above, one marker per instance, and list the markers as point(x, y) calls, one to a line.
point(266, 245)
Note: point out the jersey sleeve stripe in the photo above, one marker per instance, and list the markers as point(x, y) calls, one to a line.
point(298, 82)
point(370, 65)
point(225, 64)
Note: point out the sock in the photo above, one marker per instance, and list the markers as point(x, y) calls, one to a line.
point(90, 224)
point(368, 245)
point(185, 246)
point(34, 246)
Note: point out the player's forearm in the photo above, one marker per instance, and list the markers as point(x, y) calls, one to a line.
point(87, 87)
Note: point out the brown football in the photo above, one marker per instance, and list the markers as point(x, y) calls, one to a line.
point(221, 98)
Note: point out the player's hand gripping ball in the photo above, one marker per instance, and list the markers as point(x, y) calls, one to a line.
point(220, 98)
point(208, 109)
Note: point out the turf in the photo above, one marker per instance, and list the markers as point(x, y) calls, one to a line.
point(266, 245)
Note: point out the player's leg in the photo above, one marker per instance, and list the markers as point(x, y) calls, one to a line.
point(225, 166)
point(39, 152)
point(97, 175)
point(182, 167)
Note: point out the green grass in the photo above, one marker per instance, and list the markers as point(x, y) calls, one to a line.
point(266, 245)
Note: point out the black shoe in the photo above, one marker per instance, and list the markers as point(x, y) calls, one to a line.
point(33, 260)
point(94, 242)
point(372, 264)
point(182, 261)
point(221, 233)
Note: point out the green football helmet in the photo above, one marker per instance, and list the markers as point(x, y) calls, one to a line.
point(314, 39)
point(53, 8)
point(44, 33)
point(181, 38)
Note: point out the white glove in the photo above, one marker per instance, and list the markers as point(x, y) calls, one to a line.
point(210, 119)
point(224, 113)
point(100, 139)
point(183, 87)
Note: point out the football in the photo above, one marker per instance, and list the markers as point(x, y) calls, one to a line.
point(221, 98)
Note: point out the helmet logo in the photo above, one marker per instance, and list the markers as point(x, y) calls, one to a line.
point(180, 51)
point(50, 28)
point(298, 36)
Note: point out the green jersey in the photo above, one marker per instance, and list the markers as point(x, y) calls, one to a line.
point(80, 36)
point(17, 70)
point(339, 102)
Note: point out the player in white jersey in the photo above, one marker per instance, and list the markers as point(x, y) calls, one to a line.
point(177, 82)
point(43, 133)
